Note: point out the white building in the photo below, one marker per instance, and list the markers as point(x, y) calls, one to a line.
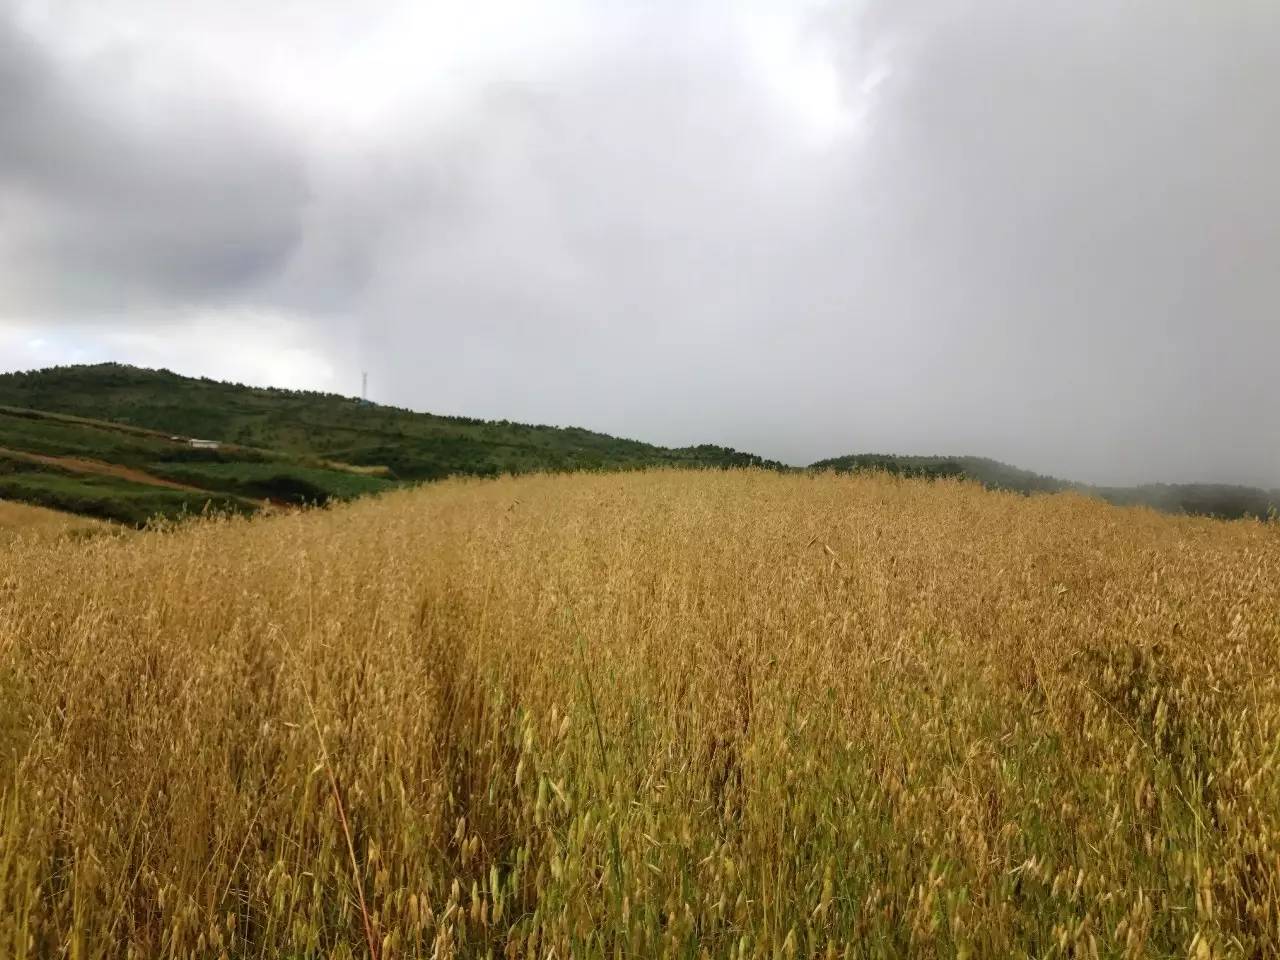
point(203, 444)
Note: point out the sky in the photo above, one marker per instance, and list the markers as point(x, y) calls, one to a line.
point(1043, 232)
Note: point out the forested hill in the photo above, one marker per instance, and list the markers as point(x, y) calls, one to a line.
point(1209, 499)
point(412, 446)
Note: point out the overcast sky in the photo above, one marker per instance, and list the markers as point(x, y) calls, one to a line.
point(1047, 232)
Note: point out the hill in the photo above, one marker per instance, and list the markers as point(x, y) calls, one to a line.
point(130, 475)
point(990, 473)
point(1225, 501)
point(410, 445)
point(112, 441)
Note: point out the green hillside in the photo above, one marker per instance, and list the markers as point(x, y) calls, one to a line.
point(130, 474)
point(1226, 501)
point(112, 441)
point(105, 497)
point(412, 446)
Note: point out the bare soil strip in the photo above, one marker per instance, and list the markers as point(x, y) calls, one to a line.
point(78, 465)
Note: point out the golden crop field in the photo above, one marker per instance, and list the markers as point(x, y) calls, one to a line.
point(23, 520)
point(662, 714)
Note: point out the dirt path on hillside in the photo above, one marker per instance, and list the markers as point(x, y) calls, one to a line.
point(77, 465)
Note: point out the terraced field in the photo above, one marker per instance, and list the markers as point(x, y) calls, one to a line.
point(132, 475)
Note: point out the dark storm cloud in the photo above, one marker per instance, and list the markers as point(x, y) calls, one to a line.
point(120, 192)
point(1041, 232)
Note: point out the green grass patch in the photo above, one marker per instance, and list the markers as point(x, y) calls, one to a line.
point(107, 498)
point(291, 483)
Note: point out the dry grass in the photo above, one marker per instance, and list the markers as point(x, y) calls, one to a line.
point(643, 715)
point(29, 522)
point(360, 470)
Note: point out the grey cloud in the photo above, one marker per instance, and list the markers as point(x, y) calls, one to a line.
point(1051, 244)
point(601, 247)
point(1047, 234)
point(1089, 197)
point(118, 196)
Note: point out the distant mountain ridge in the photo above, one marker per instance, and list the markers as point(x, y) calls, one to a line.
point(1222, 500)
point(991, 473)
point(112, 440)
